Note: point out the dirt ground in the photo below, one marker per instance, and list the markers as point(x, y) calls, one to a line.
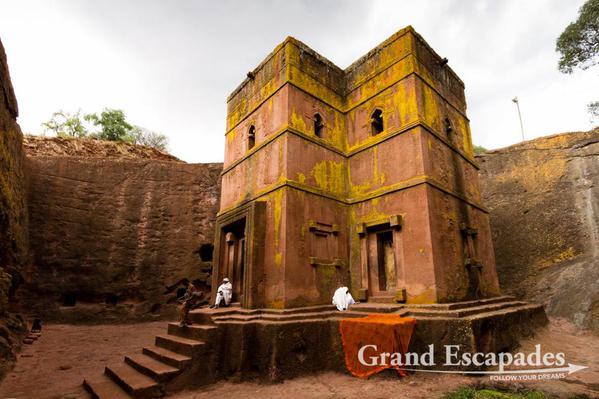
point(55, 365)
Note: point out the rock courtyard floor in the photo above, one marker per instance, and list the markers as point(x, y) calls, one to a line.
point(55, 365)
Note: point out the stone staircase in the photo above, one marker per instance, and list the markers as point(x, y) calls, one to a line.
point(150, 373)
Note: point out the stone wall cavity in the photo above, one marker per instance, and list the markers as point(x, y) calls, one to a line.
point(13, 218)
point(543, 196)
point(111, 238)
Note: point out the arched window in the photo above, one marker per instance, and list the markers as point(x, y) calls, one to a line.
point(318, 125)
point(251, 137)
point(376, 122)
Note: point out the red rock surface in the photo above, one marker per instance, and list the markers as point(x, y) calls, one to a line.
point(13, 217)
point(113, 225)
point(90, 148)
point(542, 195)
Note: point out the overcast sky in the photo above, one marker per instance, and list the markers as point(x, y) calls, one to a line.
point(171, 64)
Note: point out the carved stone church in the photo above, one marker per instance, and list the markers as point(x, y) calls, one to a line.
point(363, 176)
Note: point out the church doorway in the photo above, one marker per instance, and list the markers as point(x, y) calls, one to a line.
point(233, 257)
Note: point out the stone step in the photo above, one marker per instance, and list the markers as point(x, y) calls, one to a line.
point(488, 308)
point(205, 315)
point(200, 332)
point(489, 314)
point(368, 307)
point(463, 304)
point(151, 367)
point(136, 384)
point(273, 317)
point(305, 309)
point(526, 307)
point(460, 312)
point(184, 346)
point(201, 316)
point(103, 387)
point(274, 322)
point(382, 299)
point(168, 357)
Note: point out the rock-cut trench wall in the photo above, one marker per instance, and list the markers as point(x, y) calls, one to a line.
point(543, 196)
point(13, 218)
point(111, 238)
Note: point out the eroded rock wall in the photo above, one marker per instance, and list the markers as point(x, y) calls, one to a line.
point(543, 196)
point(13, 218)
point(109, 236)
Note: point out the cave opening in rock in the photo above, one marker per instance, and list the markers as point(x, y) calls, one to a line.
point(69, 299)
point(155, 309)
point(206, 251)
point(111, 300)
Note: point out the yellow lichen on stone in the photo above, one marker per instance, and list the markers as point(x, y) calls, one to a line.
point(335, 132)
point(297, 122)
point(301, 178)
point(373, 214)
point(468, 148)
point(357, 189)
point(315, 88)
point(425, 296)
point(278, 211)
point(326, 275)
point(568, 254)
point(277, 304)
point(430, 107)
point(330, 176)
point(231, 136)
point(319, 173)
point(239, 106)
point(378, 178)
point(546, 174)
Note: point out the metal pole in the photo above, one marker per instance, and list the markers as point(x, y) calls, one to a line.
point(515, 99)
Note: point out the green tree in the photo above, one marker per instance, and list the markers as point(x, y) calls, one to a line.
point(593, 109)
point(579, 42)
point(65, 124)
point(148, 138)
point(110, 125)
point(113, 125)
point(479, 149)
point(579, 45)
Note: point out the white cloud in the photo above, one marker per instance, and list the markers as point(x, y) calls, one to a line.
point(171, 65)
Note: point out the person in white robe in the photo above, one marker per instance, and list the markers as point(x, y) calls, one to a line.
point(342, 299)
point(224, 293)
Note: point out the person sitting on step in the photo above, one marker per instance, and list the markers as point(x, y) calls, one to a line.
point(342, 299)
point(223, 294)
point(192, 298)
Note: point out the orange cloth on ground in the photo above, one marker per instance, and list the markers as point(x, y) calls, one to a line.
point(389, 332)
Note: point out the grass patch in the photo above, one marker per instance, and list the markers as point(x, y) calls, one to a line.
point(473, 393)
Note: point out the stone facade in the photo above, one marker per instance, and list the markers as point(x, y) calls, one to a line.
point(363, 177)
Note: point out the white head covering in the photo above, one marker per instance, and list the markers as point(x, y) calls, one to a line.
point(226, 280)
